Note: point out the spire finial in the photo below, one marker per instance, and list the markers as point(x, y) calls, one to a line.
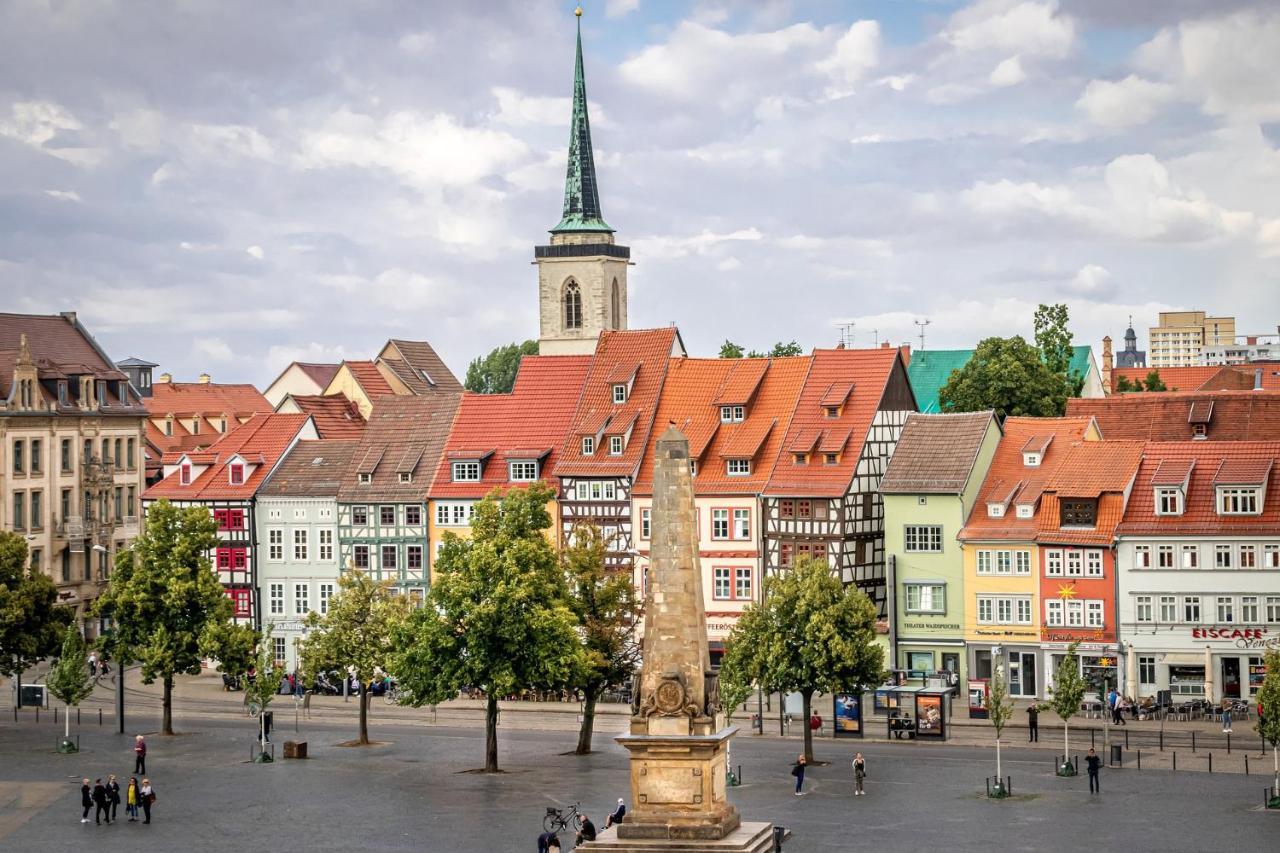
point(581, 196)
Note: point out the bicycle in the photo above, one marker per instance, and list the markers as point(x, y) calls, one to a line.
point(393, 694)
point(557, 821)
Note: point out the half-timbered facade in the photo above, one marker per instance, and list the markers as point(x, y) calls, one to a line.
point(225, 479)
point(823, 498)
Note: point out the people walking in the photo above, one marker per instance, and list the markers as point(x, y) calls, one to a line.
point(139, 755)
point(100, 802)
point(859, 774)
point(148, 799)
point(1033, 724)
point(113, 794)
point(93, 664)
point(798, 772)
point(86, 799)
point(131, 796)
point(1095, 763)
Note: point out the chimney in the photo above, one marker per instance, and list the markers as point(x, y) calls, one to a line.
point(905, 352)
point(204, 379)
point(69, 316)
point(165, 377)
point(1107, 362)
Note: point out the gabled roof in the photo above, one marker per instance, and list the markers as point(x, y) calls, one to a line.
point(1200, 516)
point(1244, 377)
point(1007, 475)
point(649, 350)
point(212, 399)
point(318, 373)
point(400, 427)
point(741, 383)
point(1243, 472)
point(262, 441)
point(1172, 472)
point(869, 371)
point(313, 469)
point(1088, 469)
point(335, 416)
point(59, 348)
point(936, 453)
point(1164, 416)
point(367, 375)
point(529, 423)
point(134, 361)
point(419, 367)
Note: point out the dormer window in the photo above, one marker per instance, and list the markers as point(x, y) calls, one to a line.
point(102, 393)
point(1199, 431)
point(63, 399)
point(732, 414)
point(1168, 501)
point(620, 393)
point(831, 459)
point(1025, 511)
point(1238, 501)
point(1031, 460)
point(831, 411)
point(522, 471)
point(995, 510)
point(737, 467)
point(615, 445)
point(236, 473)
point(195, 425)
point(693, 467)
point(406, 476)
point(800, 458)
point(184, 473)
point(168, 425)
point(466, 472)
point(365, 477)
point(1078, 512)
point(588, 445)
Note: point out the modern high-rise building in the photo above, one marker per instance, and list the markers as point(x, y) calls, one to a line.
point(1182, 335)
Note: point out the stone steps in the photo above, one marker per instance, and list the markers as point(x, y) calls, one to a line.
point(747, 838)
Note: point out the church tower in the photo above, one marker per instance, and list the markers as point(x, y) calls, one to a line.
point(582, 274)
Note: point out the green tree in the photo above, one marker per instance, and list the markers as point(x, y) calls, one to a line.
point(1268, 725)
point(31, 621)
point(264, 687)
point(164, 595)
point(498, 616)
point(1008, 375)
point(729, 349)
point(735, 686)
point(1053, 338)
point(1154, 382)
point(357, 635)
point(999, 705)
point(811, 635)
point(68, 678)
point(1124, 385)
point(1068, 693)
point(233, 646)
point(495, 373)
point(606, 608)
point(781, 350)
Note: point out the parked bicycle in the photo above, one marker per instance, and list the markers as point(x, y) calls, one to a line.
point(558, 821)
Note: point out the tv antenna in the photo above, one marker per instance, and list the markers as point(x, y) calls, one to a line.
point(920, 324)
point(846, 334)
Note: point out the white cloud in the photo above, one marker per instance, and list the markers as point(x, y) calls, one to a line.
point(40, 125)
point(255, 252)
point(1093, 282)
point(64, 195)
point(1124, 103)
point(1269, 238)
point(620, 8)
point(1029, 28)
point(518, 109)
point(729, 264)
point(1008, 73)
point(213, 349)
point(856, 53)
point(313, 352)
point(697, 244)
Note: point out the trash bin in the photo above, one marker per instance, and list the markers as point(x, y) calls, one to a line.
point(1117, 754)
point(779, 833)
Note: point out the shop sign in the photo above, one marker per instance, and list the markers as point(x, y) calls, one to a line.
point(1244, 638)
point(931, 625)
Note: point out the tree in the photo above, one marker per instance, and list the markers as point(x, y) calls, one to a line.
point(781, 350)
point(607, 610)
point(1008, 375)
point(1068, 692)
point(357, 635)
point(164, 596)
point(265, 685)
point(1053, 338)
point(68, 678)
point(495, 373)
point(999, 705)
point(735, 686)
point(811, 635)
point(31, 621)
point(729, 349)
point(497, 616)
point(234, 647)
point(1154, 382)
point(1124, 385)
point(1268, 725)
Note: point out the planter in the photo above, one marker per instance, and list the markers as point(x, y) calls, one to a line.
point(999, 789)
point(67, 746)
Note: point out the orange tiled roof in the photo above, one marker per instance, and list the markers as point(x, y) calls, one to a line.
point(1244, 377)
point(1174, 378)
point(1089, 469)
point(1008, 473)
point(530, 422)
point(868, 371)
point(370, 378)
point(1200, 514)
point(184, 399)
point(1165, 416)
point(335, 416)
point(262, 440)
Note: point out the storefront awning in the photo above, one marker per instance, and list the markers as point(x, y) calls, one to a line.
point(1183, 659)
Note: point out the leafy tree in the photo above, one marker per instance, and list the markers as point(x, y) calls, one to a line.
point(735, 687)
point(811, 635)
point(164, 597)
point(1008, 375)
point(1068, 692)
point(1268, 725)
point(495, 373)
point(781, 350)
point(262, 690)
point(356, 635)
point(233, 646)
point(729, 349)
point(31, 621)
point(1124, 385)
point(1053, 338)
point(999, 705)
point(497, 616)
point(1154, 382)
point(68, 678)
point(605, 605)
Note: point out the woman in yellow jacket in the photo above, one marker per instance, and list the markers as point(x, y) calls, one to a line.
point(131, 799)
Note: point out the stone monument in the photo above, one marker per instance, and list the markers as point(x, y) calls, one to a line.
point(677, 740)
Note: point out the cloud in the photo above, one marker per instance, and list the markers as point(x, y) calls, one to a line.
point(620, 8)
point(856, 53)
point(1124, 103)
point(64, 195)
point(1093, 282)
point(1008, 73)
point(48, 127)
point(212, 349)
point(697, 244)
point(1029, 28)
point(518, 109)
point(255, 252)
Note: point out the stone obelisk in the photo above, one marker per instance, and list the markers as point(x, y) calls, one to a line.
point(677, 742)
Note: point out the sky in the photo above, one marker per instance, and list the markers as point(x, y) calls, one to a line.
point(227, 186)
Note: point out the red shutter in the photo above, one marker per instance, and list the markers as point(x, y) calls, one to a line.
point(238, 558)
point(224, 558)
point(235, 519)
point(220, 516)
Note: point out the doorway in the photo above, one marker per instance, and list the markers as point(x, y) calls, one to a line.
point(1231, 677)
point(1022, 674)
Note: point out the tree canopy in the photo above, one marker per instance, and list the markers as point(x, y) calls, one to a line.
point(265, 685)
point(497, 616)
point(164, 596)
point(31, 621)
point(68, 678)
point(811, 635)
point(1053, 338)
point(1007, 375)
point(495, 373)
point(1268, 724)
point(1068, 692)
point(729, 349)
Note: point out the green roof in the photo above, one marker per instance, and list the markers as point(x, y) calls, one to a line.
point(930, 369)
point(581, 192)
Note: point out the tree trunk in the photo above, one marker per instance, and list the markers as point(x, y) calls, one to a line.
point(364, 714)
point(166, 724)
point(1275, 756)
point(1066, 747)
point(491, 733)
point(67, 729)
point(588, 722)
point(807, 696)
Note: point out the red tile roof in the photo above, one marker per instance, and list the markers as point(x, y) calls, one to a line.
point(419, 367)
point(1089, 469)
point(529, 423)
point(366, 373)
point(1172, 472)
point(1243, 472)
point(1200, 516)
point(1174, 378)
point(1164, 416)
point(648, 351)
point(1245, 377)
point(744, 378)
point(869, 372)
point(335, 416)
point(261, 441)
point(184, 399)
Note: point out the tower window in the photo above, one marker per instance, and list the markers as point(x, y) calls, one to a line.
point(572, 306)
point(616, 306)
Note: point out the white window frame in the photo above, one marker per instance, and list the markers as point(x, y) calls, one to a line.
point(929, 597)
point(1053, 613)
point(1271, 556)
point(1249, 609)
point(1004, 562)
point(1165, 557)
point(646, 520)
point(732, 414)
point(466, 471)
point(1142, 556)
point(741, 529)
point(1144, 609)
point(1225, 608)
point(1247, 556)
point(301, 598)
point(1188, 602)
point(1093, 563)
point(721, 583)
point(740, 572)
point(522, 470)
point(737, 467)
point(588, 445)
point(1168, 500)
point(1239, 500)
point(1022, 562)
point(275, 593)
point(1222, 557)
point(1190, 556)
point(326, 593)
point(1094, 614)
point(324, 544)
point(922, 538)
point(615, 445)
point(1273, 608)
point(1075, 563)
point(984, 562)
point(619, 393)
point(275, 544)
point(1053, 563)
point(719, 523)
point(301, 545)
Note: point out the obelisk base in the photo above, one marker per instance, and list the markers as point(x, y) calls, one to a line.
point(678, 785)
point(747, 838)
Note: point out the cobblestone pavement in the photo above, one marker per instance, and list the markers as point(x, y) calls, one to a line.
point(412, 793)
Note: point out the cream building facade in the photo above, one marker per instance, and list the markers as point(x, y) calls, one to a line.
point(1181, 336)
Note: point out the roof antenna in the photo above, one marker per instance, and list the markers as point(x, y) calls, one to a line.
point(921, 325)
point(846, 334)
point(876, 333)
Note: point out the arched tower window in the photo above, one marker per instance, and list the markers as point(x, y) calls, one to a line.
point(615, 305)
point(572, 306)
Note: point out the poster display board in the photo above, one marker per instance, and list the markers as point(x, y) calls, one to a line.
point(931, 715)
point(847, 714)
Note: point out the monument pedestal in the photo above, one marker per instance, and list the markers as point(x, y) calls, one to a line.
point(747, 838)
point(678, 784)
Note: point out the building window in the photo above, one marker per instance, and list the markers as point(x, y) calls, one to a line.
point(1168, 609)
point(742, 524)
point(1222, 556)
point(926, 598)
point(1142, 556)
point(365, 477)
point(360, 515)
point(1144, 609)
point(19, 456)
point(588, 445)
point(1226, 609)
point(301, 594)
point(388, 556)
point(466, 472)
point(1053, 612)
point(721, 580)
point(615, 445)
point(37, 509)
point(1168, 502)
point(413, 515)
point(454, 514)
point(732, 414)
point(406, 476)
point(1164, 557)
point(184, 474)
point(360, 556)
point(831, 412)
point(572, 306)
point(1190, 556)
point(1249, 609)
point(278, 649)
point(922, 538)
point(325, 513)
point(1031, 460)
point(275, 545)
point(995, 510)
point(1093, 614)
point(1004, 562)
point(1053, 564)
point(1248, 556)
point(1238, 501)
point(787, 509)
point(19, 510)
point(522, 472)
point(276, 598)
point(1146, 670)
point(738, 467)
point(719, 524)
point(37, 451)
point(646, 516)
point(237, 473)
point(1191, 608)
point(1273, 608)
point(131, 459)
point(325, 542)
point(984, 563)
point(1271, 556)
point(619, 393)
point(326, 593)
point(413, 557)
point(742, 577)
point(1079, 513)
point(386, 516)
point(300, 545)
point(67, 456)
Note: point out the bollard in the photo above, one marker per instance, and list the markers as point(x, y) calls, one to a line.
point(37, 713)
point(1126, 738)
point(77, 715)
point(1092, 732)
point(1139, 759)
point(1211, 762)
point(55, 715)
point(99, 716)
point(1246, 764)
point(779, 833)
point(1228, 743)
point(1175, 759)
point(739, 774)
point(1193, 741)
point(1162, 740)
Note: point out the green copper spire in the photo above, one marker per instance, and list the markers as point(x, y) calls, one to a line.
point(581, 193)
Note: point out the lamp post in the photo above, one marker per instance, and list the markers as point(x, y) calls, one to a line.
point(120, 662)
point(297, 674)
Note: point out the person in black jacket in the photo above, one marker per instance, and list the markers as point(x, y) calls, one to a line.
point(1033, 724)
point(1094, 762)
point(86, 799)
point(102, 804)
point(616, 815)
point(113, 794)
point(588, 831)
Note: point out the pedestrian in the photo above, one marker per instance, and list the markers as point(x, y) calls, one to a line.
point(93, 664)
point(616, 815)
point(798, 772)
point(553, 844)
point(131, 797)
point(100, 802)
point(587, 832)
point(544, 841)
point(113, 794)
point(1095, 763)
point(815, 723)
point(148, 799)
point(1033, 724)
point(86, 799)
point(139, 756)
point(859, 774)
point(1226, 717)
